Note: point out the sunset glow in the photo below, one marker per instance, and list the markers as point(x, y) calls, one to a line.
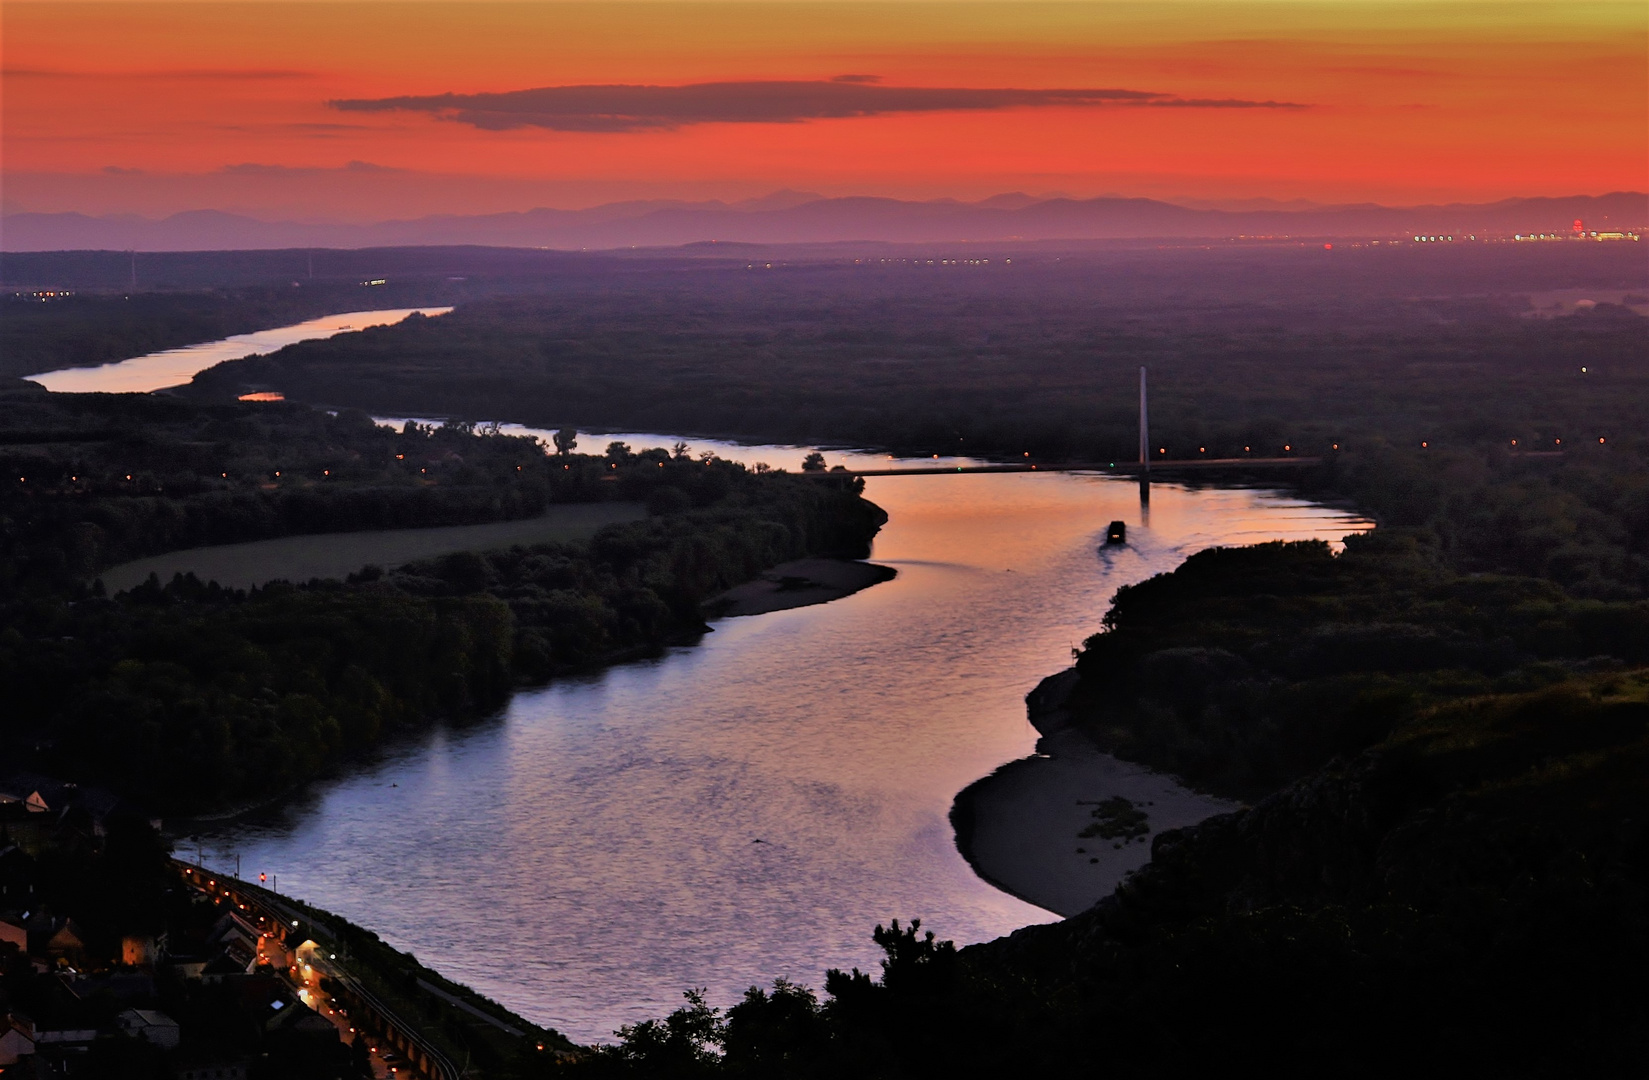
point(163, 107)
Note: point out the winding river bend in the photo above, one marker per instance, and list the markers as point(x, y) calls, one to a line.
point(751, 806)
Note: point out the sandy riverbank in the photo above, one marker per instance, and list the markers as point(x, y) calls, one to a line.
point(798, 584)
point(1018, 827)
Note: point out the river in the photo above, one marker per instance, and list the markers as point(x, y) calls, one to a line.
point(749, 807)
point(174, 367)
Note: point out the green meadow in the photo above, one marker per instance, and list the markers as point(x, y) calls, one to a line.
point(336, 555)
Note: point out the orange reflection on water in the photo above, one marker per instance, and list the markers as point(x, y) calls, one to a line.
point(748, 808)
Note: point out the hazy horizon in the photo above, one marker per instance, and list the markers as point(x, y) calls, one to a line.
point(789, 218)
point(779, 198)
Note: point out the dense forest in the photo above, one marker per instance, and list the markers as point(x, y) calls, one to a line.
point(98, 479)
point(40, 332)
point(81, 308)
point(1260, 348)
point(1425, 378)
point(186, 696)
point(1249, 667)
point(1436, 385)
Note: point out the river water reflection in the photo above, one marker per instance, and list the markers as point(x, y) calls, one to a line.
point(174, 367)
point(749, 807)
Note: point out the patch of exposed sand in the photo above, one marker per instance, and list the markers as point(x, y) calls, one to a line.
point(1026, 817)
point(1019, 827)
point(798, 584)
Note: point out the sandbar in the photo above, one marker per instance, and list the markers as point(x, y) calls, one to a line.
point(1018, 826)
point(797, 584)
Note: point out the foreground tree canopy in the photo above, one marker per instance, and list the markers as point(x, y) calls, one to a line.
point(248, 693)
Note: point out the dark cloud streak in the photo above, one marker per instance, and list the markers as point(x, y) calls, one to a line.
point(254, 168)
point(619, 108)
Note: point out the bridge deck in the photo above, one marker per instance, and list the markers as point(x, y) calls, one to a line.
point(1116, 467)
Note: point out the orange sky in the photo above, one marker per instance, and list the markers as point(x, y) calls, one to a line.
point(156, 108)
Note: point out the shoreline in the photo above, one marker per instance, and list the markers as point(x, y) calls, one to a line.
point(826, 579)
point(798, 583)
point(1018, 827)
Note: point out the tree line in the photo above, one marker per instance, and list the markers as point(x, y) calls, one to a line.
point(184, 695)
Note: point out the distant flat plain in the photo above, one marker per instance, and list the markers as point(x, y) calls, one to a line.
point(335, 555)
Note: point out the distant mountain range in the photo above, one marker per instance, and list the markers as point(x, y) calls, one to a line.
point(794, 217)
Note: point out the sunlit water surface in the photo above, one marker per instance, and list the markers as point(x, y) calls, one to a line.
point(174, 367)
point(749, 807)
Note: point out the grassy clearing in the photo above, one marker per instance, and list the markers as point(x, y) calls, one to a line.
point(334, 555)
